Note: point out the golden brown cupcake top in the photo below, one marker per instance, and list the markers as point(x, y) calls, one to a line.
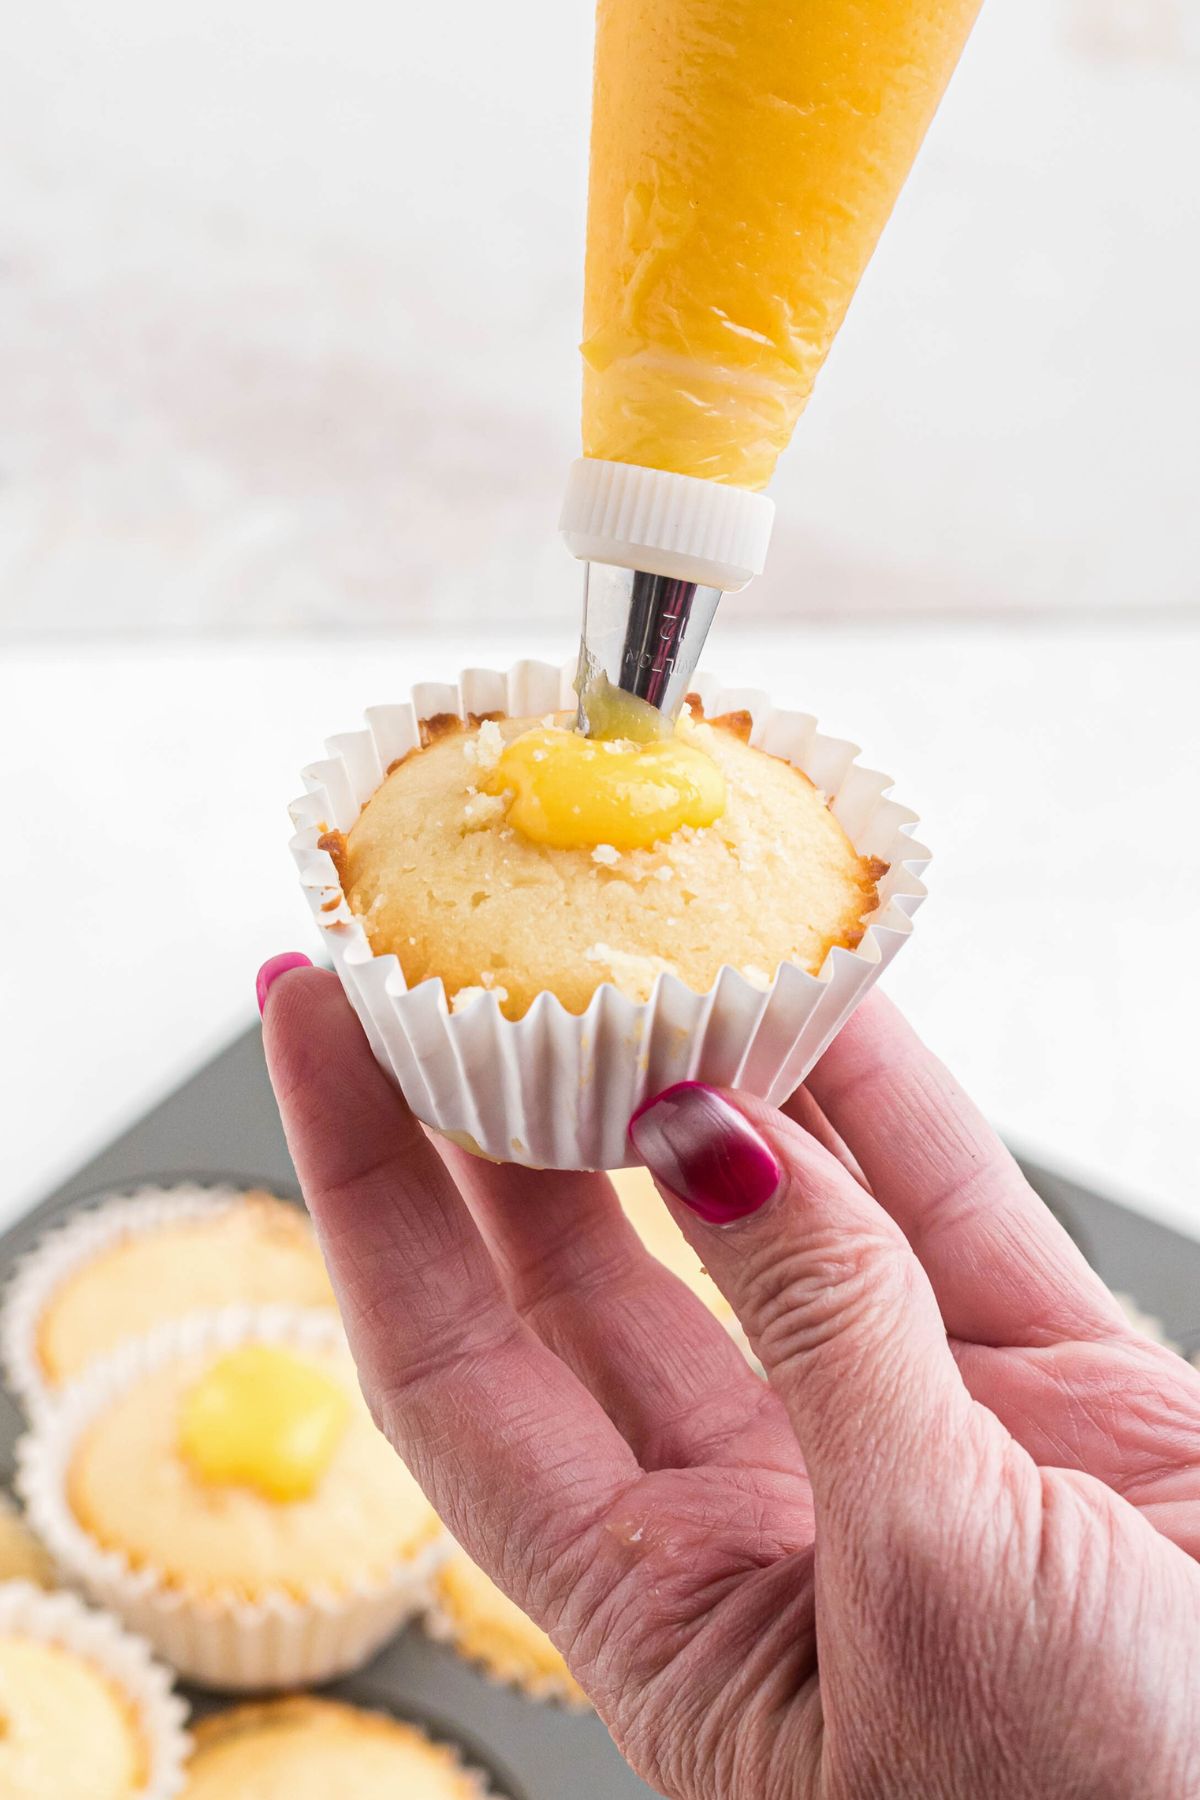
point(67, 1732)
point(255, 1250)
point(22, 1557)
point(309, 1749)
point(444, 879)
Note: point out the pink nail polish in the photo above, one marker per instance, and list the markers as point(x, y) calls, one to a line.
point(706, 1151)
point(273, 968)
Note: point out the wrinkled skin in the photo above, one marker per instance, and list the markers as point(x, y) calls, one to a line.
point(947, 1553)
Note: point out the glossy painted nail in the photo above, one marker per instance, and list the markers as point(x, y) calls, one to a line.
point(700, 1146)
point(273, 968)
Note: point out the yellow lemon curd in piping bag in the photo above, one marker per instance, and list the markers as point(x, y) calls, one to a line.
point(745, 157)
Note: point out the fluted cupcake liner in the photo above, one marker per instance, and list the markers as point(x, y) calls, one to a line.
point(111, 1219)
point(555, 1089)
point(124, 1660)
point(219, 1641)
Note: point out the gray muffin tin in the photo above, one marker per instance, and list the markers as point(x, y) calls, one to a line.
point(222, 1125)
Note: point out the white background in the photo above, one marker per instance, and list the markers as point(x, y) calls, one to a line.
point(289, 299)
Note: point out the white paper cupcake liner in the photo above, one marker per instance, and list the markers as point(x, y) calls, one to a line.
point(218, 1641)
point(546, 1689)
point(555, 1089)
point(63, 1620)
point(112, 1219)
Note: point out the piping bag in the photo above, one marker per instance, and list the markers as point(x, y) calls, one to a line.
point(745, 157)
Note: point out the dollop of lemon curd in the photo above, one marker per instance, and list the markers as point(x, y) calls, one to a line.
point(264, 1419)
point(575, 793)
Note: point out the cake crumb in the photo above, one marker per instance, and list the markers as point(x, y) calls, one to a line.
point(482, 809)
point(489, 744)
point(634, 975)
point(606, 854)
point(665, 873)
point(698, 733)
point(465, 995)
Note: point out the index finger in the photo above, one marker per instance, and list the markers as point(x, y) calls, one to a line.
point(512, 1450)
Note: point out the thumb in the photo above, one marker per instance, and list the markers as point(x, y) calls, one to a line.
point(833, 1299)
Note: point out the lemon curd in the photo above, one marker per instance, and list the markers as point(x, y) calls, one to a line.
point(745, 157)
point(261, 1418)
point(574, 792)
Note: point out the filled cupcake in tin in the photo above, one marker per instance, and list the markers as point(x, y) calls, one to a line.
point(220, 1484)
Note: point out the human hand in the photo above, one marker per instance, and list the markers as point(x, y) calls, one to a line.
point(947, 1552)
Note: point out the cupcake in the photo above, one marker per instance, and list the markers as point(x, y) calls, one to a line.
point(474, 867)
point(85, 1714)
point(487, 1628)
point(539, 930)
point(117, 1270)
point(22, 1557)
point(220, 1485)
point(303, 1748)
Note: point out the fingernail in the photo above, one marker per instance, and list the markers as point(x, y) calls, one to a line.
point(706, 1151)
point(273, 968)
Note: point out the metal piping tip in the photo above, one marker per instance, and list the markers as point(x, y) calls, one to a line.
point(642, 638)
